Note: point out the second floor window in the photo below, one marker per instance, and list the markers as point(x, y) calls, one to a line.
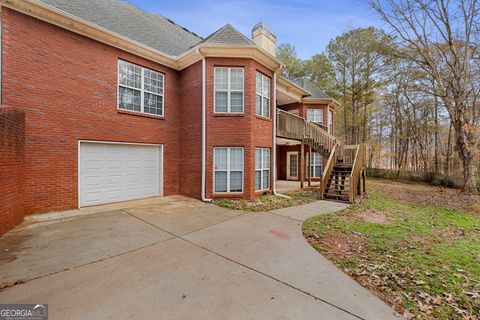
point(262, 89)
point(228, 90)
point(140, 89)
point(315, 115)
point(330, 121)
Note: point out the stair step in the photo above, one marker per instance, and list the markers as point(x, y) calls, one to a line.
point(336, 197)
point(339, 178)
point(338, 191)
point(342, 168)
point(340, 183)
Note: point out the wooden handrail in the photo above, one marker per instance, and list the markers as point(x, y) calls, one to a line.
point(357, 167)
point(332, 159)
point(292, 126)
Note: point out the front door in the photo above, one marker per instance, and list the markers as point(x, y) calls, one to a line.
point(292, 165)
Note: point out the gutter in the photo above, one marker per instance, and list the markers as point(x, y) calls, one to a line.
point(204, 126)
point(274, 148)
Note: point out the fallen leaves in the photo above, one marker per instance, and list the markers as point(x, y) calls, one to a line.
point(405, 268)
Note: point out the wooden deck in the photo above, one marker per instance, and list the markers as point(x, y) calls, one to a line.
point(346, 165)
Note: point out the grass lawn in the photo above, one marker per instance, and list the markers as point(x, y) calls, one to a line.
point(416, 246)
point(271, 202)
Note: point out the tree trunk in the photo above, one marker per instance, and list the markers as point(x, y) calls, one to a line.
point(449, 150)
point(436, 136)
point(466, 156)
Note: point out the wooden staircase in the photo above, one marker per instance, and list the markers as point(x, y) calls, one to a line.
point(346, 166)
point(338, 184)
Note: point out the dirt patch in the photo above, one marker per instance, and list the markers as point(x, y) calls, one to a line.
point(427, 195)
point(338, 244)
point(450, 236)
point(373, 216)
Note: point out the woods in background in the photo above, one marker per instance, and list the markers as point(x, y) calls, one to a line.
point(410, 93)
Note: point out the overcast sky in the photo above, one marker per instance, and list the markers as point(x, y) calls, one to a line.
point(307, 24)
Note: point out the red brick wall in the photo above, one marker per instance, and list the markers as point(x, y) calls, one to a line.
point(247, 130)
point(12, 165)
point(67, 86)
point(191, 130)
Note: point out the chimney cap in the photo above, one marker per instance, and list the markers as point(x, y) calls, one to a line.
point(262, 27)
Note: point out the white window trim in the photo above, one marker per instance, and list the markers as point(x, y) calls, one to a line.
point(330, 121)
point(315, 111)
point(311, 164)
point(229, 90)
point(142, 91)
point(263, 169)
point(263, 95)
point(228, 171)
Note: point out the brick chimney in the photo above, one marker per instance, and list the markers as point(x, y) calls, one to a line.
point(264, 37)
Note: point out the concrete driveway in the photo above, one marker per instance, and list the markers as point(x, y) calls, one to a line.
point(178, 258)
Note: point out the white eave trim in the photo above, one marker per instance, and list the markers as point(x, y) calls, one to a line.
point(330, 101)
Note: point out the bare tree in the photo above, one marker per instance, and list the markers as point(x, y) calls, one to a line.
point(441, 38)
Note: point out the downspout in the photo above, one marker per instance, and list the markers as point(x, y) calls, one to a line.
point(204, 126)
point(274, 156)
point(1, 56)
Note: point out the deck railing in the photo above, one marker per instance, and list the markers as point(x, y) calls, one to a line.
point(290, 126)
point(294, 127)
point(349, 153)
point(358, 172)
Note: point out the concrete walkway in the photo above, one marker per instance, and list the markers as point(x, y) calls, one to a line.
point(180, 258)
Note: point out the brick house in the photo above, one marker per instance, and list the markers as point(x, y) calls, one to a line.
point(103, 102)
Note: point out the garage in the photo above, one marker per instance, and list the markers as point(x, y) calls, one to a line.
point(111, 172)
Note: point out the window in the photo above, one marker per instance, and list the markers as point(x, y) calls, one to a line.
point(262, 86)
point(315, 115)
point(315, 162)
point(330, 121)
point(139, 89)
point(262, 169)
point(228, 90)
point(228, 166)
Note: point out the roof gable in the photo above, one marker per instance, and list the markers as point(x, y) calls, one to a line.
point(228, 35)
point(315, 92)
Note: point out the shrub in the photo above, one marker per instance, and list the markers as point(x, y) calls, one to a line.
point(443, 181)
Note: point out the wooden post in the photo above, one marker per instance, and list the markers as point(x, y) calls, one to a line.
point(309, 167)
point(364, 180)
point(302, 164)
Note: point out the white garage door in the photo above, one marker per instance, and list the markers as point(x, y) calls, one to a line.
point(111, 172)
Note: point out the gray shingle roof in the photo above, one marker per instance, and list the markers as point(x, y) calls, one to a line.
point(315, 92)
point(228, 35)
point(150, 29)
